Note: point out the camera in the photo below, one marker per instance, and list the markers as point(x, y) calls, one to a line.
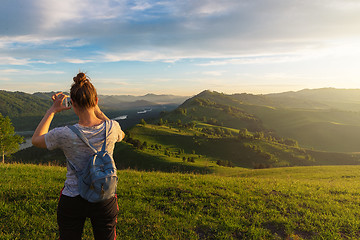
point(67, 102)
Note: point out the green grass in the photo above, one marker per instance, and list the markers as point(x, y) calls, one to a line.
point(299, 202)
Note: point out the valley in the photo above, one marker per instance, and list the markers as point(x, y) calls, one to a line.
point(214, 133)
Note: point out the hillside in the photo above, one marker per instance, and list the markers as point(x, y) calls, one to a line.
point(15, 104)
point(206, 148)
point(320, 128)
point(325, 98)
point(283, 203)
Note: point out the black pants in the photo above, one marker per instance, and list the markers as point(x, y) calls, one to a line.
point(73, 211)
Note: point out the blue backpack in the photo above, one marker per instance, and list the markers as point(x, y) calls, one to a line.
point(98, 180)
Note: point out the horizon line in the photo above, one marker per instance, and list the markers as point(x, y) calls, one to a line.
point(162, 94)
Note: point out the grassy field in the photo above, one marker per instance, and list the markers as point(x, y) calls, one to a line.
point(283, 203)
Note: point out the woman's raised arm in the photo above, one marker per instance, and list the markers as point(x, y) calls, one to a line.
point(38, 138)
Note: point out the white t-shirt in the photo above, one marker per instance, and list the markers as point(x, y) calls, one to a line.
point(77, 151)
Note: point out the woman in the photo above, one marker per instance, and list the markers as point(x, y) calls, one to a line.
point(73, 209)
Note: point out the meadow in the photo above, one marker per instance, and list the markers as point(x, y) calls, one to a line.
point(280, 203)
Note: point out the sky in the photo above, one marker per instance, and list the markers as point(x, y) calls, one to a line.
point(180, 47)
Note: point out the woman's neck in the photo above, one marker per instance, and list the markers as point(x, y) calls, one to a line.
point(88, 118)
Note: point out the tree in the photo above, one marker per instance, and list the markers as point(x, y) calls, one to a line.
point(291, 142)
point(144, 145)
point(179, 122)
point(192, 125)
point(9, 141)
point(259, 135)
point(182, 111)
point(243, 133)
point(142, 122)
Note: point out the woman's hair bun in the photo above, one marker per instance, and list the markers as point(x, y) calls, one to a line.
point(80, 78)
point(82, 92)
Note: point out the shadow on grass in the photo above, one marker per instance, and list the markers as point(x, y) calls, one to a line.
point(41, 156)
point(127, 157)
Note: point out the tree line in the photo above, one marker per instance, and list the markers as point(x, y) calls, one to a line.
point(9, 141)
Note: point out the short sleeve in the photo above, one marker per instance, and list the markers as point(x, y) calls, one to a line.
point(115, 132)
point(53, 138)
point(119, 132)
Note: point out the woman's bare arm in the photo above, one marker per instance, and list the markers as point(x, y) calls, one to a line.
point(99, 114)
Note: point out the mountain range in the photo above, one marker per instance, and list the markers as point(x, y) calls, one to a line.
point(26, 110)
point(324, 119)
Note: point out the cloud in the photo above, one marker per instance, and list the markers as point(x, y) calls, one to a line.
point(270, 59)
point(21, 61)
point(77, 61)
point(29, 72)
point(141, 6)
point(145, 56)
point(213, 73)
point(14, 61)
point(124, 30)
point(9, 71)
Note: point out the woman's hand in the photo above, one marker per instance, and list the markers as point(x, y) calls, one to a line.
point(58, 100)
point(38, 139)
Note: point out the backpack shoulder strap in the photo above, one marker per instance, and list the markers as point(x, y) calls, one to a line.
point(81, 135)
point(106, 134)
point(72, 166)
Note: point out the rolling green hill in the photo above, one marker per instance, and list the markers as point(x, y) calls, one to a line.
point(325, 129)
point(211, 146)
point(15, 104)
point(26, 110)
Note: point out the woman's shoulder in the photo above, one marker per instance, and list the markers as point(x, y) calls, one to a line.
point(57, 136)
point(112, 123)
point(113, 126)
point(63, 129)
